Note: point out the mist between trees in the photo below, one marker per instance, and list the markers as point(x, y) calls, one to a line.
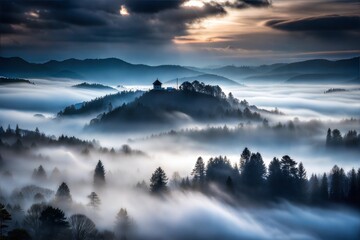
point(248, 183)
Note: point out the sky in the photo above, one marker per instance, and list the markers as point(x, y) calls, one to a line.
point(186, 32)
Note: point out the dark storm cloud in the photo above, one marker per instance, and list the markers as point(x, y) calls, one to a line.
point(100, 20)
point(240, 4)
point(317, 24)
point(152, 6)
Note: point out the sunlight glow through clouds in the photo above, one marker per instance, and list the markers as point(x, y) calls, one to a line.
point(194, 3)
point(123, 11)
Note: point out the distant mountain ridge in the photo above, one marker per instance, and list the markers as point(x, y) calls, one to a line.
point(116, 71)
point(107, 71)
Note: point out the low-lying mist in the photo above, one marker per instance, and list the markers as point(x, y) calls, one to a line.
point(34, 163)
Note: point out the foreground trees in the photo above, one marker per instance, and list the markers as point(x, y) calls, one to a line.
point(4, 218)
point(82, 228)
point(283, 179)
point(32, 220)
point(54, 224)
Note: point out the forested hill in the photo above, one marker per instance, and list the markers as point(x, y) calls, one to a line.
point(100, 105)
point(193, 101)
point(95, 86)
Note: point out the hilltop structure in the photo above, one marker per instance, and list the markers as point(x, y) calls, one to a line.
point(157, 85)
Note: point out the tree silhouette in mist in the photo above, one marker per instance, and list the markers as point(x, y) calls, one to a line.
point(158, 181)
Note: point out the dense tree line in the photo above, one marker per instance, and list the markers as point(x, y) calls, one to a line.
point(334, 139)
point(100, 104)
point(25, 139)
point(283, 179)
point(22, 141)
point(249, 179)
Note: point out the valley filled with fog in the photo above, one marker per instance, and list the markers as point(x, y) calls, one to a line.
point(276, 120)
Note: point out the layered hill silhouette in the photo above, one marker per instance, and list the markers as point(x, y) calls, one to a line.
point(107, 71)
point(310, 71)
point(5, 81)
point(115, 71)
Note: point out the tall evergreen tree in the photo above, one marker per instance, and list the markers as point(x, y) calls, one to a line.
point(302, 182)
point(17, 131)
point(324, 188)
point(122, 224)
point(337, 193)
point(39, 173)
point(314, 189)
point(328, 137)
point(337, 139)
point(99, 175)
point(63, 193)
point(158, 181)
point(289, 177)
point(275, 180)
point(244, 158)
point(8, 131)
point(198, 172)
point(218, 169)
point(352, 187)
point(253, 172)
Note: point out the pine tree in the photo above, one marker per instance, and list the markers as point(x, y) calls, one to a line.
point(158, 181)
point(245, 157)
point(352, 187)
point(199, 172)
point(253, 172)
point(122, 224)
point(37, 131)
point(8, 131)
point(17, 131)
point(99, 175)
point(94, 200)
point(314, 189)
point(337, 191)
point(63, 193)
point(358, 187)
point(328, 137)
point(302, 182)
point(275, 177)
point(39, 174)
point(324, 188)
point(337, 139)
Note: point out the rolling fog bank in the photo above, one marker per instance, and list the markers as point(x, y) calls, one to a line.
point(153, 185)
